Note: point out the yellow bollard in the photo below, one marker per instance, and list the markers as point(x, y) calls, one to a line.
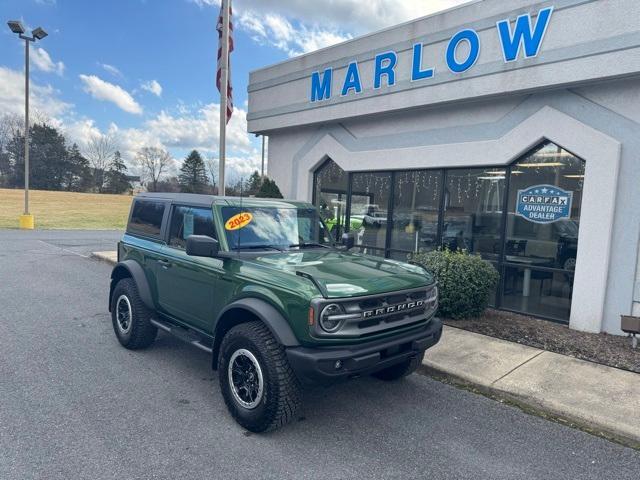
point(27, 222)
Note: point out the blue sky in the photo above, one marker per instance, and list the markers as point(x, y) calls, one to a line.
point(142, 71)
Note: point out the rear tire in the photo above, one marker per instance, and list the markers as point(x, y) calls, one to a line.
point(130, 317)
point(257, 383)
point(400, 370)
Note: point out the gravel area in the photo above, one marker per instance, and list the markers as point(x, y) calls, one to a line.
point(611, 350)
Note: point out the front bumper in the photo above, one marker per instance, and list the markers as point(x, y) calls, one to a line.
point(318, 365)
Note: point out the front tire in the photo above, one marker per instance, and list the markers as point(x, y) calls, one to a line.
point(400, 370)
point(130, 317)
point(256, 380)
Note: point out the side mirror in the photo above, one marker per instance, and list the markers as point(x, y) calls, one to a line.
point(348, 240)
point(202, 246)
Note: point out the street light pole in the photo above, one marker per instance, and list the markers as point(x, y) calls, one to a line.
point(26, 219)
point(26, 125)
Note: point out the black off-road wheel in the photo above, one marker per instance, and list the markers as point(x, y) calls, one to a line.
point(257, 383)
point(400, 370)
point(130, 317)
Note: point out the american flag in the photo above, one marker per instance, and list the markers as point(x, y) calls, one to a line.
point(219, 71)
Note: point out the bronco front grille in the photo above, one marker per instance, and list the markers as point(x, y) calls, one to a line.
point(374, 314)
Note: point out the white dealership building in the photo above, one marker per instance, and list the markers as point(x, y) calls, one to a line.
point(508, 128)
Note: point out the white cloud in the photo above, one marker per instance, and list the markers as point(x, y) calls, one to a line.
point(276, 30)
point(43, 98)
point(353, 16)
point(152, 86)
point(111, 69)
point(102, 90)
point(188, 128)
point(41, 60)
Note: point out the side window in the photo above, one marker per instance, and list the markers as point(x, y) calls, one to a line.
point(146, 218)
point(187, 221)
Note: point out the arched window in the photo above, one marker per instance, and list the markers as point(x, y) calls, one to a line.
point(330, 186)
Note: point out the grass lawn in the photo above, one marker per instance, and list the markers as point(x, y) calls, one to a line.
point(71, 210)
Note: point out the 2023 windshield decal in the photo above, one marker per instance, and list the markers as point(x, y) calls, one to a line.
point(238, 221)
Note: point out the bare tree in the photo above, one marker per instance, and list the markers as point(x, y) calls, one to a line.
point(10, 126)
point(153, 162)
point(99, 151)
point(212, 165)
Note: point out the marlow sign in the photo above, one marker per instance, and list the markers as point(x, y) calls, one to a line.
point(526, 36)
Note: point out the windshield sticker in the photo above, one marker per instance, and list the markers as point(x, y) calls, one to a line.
point(238, 221)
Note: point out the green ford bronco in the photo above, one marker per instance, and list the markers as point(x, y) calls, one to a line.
point(262, 286)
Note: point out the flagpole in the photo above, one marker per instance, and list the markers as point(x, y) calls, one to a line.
point(224, 84)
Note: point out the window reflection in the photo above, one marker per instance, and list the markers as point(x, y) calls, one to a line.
point(330, 196)
point(369, 209)
point(416, 202)
point(473, 210)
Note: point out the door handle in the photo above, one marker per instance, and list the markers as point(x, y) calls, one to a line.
point(164, 263)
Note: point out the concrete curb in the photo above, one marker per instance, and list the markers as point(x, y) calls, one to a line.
point(598, 399)
point(111, 257)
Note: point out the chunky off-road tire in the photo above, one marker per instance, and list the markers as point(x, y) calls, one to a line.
point(253, 353)
point(400, 370)
point(136, 331)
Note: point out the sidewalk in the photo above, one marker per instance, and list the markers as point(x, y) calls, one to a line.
point(591, 395)
point(109, 257)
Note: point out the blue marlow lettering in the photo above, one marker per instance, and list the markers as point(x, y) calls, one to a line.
point(416, 72)
point(352, 79)
point(523, 34)
point(469, 36)
point(321, 89)
point(385, 65)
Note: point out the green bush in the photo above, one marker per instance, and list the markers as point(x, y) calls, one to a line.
point(465, 282)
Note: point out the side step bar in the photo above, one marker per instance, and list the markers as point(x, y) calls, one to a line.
point(183, 334)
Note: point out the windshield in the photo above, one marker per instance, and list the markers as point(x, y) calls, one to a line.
point(274, 227)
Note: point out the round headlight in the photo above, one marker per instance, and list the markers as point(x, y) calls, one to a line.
point(328, 320)
point(432, 297)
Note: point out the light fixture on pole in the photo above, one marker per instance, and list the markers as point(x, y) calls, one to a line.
point(26, 219)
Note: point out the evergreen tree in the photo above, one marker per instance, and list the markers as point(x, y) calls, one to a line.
point(254, 183)
point(78, 176)
point(116, 176)
point(48, 158)
point(269, 189)
point(193, 174)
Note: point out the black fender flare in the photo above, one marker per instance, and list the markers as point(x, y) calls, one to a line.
point(267, 313)
point(132, 269)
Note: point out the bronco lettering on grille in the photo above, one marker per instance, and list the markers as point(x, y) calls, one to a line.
point(393, 308)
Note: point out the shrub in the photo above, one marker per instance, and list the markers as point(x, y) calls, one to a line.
point(465, 282)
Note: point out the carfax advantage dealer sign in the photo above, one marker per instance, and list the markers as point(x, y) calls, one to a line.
point(544, 203)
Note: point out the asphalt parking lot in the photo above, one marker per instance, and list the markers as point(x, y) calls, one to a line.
point(74, 404)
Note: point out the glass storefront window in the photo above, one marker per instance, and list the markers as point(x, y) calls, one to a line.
point(369, 210)
point(552, 239)
point(414, 221)
point(545, 293)
point(330, 186)
point(533, 244)
point(474, 200)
